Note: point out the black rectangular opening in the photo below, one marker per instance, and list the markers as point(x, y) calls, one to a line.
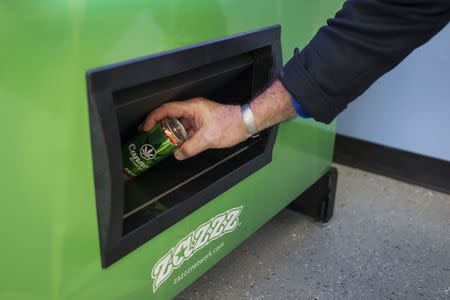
point(234, 80)
point(231, 70)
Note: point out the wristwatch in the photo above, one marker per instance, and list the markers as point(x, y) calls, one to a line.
point(249, 120)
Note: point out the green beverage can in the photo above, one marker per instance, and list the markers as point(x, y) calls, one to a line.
point(149, 148)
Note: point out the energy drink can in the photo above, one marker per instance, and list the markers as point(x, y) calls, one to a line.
point(149, 148)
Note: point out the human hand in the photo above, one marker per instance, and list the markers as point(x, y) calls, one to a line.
point(209, 125)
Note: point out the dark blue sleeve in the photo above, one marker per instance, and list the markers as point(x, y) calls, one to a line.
point(366, 39)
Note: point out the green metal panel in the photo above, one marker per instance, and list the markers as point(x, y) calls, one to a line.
point(50, 246)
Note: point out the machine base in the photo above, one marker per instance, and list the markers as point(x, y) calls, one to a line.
point(318, 200)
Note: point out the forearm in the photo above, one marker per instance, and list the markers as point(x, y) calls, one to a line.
point(272, 106)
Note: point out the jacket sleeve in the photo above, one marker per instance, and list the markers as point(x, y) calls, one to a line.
point(365, 39)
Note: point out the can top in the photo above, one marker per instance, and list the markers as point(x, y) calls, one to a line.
point(174, 130)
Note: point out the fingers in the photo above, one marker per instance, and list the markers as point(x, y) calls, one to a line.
point(186, 122)
point(191, 147)
point(190, 132)
point(171, 109)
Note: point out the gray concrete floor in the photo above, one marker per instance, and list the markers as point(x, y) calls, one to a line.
point(387, 240)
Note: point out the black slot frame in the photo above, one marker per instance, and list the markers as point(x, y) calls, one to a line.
point(106, 86)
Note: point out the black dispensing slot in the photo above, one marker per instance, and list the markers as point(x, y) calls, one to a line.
point(232, 70)
point(228, 81)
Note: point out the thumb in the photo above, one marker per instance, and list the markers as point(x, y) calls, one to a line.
point(191, 147)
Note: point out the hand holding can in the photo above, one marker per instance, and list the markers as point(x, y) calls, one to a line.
point(149, 148)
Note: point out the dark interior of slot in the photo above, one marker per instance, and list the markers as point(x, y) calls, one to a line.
point(231, 81)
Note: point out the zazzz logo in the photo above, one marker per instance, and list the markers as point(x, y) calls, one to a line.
point(205, 233)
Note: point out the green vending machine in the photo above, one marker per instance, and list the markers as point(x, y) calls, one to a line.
point(77, 77)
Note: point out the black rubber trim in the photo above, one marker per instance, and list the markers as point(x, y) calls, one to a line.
point(405, 166)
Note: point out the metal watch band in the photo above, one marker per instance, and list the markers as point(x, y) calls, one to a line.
point(249, 120)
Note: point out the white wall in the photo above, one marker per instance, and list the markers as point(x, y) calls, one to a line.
point(408, 108)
